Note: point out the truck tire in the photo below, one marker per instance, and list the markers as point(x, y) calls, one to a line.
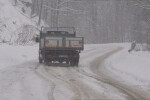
point(67, 62)
point(77, 62)
point(49, 63)
point(40, 58)
point(45, 62)
point(74, 62)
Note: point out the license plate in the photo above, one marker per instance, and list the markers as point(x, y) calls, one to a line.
point(63, 56)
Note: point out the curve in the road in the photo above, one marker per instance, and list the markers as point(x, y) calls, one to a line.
point(96, 68)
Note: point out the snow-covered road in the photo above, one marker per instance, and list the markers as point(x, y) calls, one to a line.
point(30, 80)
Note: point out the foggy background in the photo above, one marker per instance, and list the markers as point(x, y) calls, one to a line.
point(98, 21)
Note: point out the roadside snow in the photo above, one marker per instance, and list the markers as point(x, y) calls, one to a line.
point(130, 68)
point(14, 55)
point(20, 83)
point(18, 80)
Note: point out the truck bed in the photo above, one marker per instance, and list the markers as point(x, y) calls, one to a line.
point(63, 43)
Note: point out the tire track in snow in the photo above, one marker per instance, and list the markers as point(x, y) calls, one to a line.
point(80, 89)
point(45, 71)
point(51, 71)
point(52, 84)
point(96, 68)
point(51, 74)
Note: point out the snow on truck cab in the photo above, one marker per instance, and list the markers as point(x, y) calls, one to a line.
point(59, 45)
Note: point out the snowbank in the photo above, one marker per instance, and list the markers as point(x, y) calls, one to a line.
point(131, 68)
point(18, 80)
point(14, 55)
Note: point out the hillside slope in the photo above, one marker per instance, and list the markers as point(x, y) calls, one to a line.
point(15, 27)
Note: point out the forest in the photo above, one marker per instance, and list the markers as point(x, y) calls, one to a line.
point(99, 21)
